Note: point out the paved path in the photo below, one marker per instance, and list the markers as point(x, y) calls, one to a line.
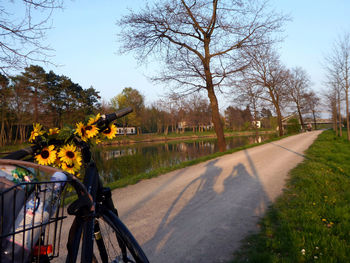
point(200, 213)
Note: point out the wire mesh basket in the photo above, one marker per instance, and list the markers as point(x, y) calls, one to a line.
point(31, 217)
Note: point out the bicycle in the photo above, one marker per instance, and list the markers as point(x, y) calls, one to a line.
point(96, 219)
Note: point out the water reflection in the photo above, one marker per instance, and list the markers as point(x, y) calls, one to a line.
point(118, 153)
point(124, 161)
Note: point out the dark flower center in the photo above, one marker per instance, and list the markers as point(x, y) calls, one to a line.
point(70, 154)
point(82, 130)
point(45, 154)
point(107, 131)
point(88, 128)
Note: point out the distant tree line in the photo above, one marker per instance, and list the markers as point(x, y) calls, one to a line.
point(170, 114)
point(237, 119)
point(38, 96)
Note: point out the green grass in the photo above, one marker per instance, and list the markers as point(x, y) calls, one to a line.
point(310, 222)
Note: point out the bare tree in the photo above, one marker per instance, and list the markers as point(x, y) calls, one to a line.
point(298, 83)
point(198, 112)
point(164, 116)
point(238, 119)
point(21, 33)
point(199, 42)
point(250, 94)
point(336, 89)
point(312, 104)
point(4, 102)
point(267, 72)
point(330, 97)
point(338, 70)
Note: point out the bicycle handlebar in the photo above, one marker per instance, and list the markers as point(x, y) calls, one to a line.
point(105, 120)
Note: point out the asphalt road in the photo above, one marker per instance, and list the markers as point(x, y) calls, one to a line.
point(200, 213)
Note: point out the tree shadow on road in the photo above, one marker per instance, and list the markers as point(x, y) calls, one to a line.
point(210, 215)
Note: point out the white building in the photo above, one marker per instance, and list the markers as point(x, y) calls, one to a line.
point(126, 130)
point(257, 124)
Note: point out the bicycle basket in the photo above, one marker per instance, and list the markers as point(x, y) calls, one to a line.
point(31, 212)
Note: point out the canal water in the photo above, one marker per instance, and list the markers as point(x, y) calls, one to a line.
point(122, 161)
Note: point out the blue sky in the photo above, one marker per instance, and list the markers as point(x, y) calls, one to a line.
point(310, 35)
point(85, 43)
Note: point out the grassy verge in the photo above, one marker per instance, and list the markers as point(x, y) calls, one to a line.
point(310, 222)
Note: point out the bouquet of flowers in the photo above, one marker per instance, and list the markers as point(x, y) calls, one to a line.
point(68, 156)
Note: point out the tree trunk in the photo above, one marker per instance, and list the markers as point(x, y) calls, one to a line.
point(36, 105)
point(314, 115)
point(9, 136)
point(335, 117)
point(216, 120)
point(22, 133)
point(279, 120)
point(2, 134)
point(300, 118)
point(16, 135)
point(347, 111)
point(339, 116)
point(256, 121)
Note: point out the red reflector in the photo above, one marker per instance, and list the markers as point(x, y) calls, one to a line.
point(44, 250)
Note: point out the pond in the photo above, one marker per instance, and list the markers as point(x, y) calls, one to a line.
point(123, 161)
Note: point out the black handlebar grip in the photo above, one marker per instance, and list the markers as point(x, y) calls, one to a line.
point(113, 116)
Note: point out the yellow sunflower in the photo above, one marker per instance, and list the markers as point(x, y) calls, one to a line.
point(57, 163)
point(36, 131)
point(47, 156)
point(80, 130)
point(71, 168)
point(54, 131)
point(110, 132)
point(69, 154)
point(97, 141)
point(93, 120)
point(91, 131)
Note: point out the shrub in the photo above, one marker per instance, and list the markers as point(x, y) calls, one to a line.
point(293, 126)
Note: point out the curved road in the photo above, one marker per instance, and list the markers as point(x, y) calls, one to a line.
point(200, 213)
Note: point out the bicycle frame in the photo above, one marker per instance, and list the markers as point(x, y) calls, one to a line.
point(101, 198)
point(79, 226)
